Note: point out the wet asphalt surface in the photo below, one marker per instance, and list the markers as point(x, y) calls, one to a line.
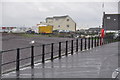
point(13, 42)
point(98, 62)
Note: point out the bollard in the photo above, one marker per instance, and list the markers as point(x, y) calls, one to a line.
point(85, 44)
point(72, 47)
point(17, 60)
point(66, 53)
point(43, 53)
point(81, 44)
point(52, 51)
point(32, 56)
point(76, 45)
point(59, 49)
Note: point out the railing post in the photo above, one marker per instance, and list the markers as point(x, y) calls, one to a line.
point(0, 65)
point(43, 53)
point(101, 41)
point(95, 41)
point(91, 42)
point(52, 51)
point(72, 47)
point(85, 44)
point(81, 46)
point(66, 53)
point(32, 56)
point(59, 49)
point(76, 45)
point(18, 60)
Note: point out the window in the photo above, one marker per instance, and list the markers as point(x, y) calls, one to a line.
point(58, 25)
point(67, 19)
point(108, 17)
point(68, 26)
point(114, 19)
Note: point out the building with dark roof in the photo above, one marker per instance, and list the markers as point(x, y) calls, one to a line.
point(111, 22)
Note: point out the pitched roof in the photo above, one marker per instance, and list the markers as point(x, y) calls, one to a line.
point(49, 18)
point(112, 14)
point(57, 17)
point(60, 16)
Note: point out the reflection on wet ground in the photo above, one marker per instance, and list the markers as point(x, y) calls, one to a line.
point(99, 62)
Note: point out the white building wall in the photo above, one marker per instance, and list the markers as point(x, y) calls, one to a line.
point(62, 23)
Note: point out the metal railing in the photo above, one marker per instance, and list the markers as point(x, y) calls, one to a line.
point(50, 51)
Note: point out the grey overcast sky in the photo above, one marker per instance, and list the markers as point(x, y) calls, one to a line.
point(29, 13)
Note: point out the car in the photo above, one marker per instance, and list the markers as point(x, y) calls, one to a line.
point(116, 73)
point(61, 31)
point(30, 31)
point(116, 35)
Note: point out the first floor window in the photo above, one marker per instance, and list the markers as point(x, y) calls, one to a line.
point(68, 26)
point(108, 17)
point(67, 19)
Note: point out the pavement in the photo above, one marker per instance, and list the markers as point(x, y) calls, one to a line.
point(99, 62)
